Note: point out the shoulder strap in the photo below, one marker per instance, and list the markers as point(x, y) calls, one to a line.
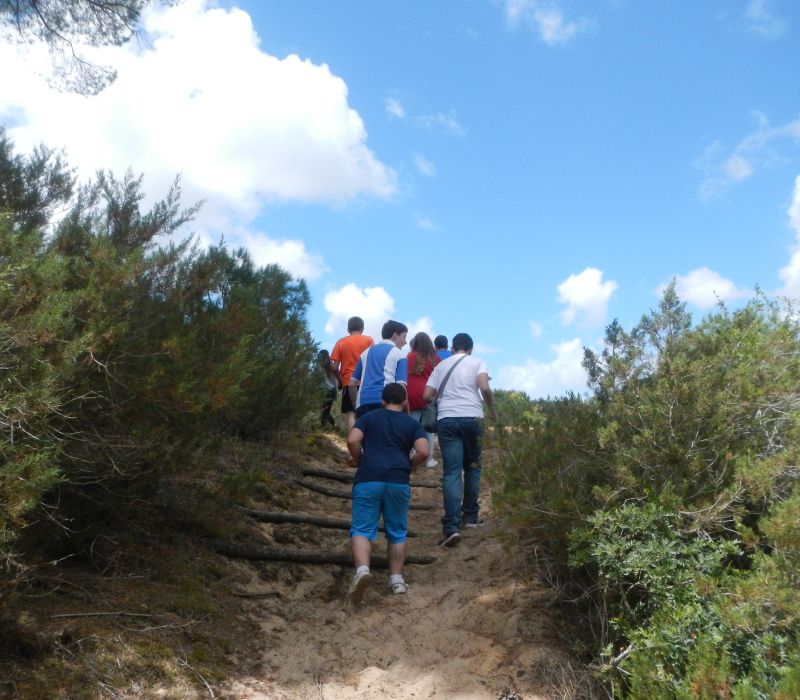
point(447, 376)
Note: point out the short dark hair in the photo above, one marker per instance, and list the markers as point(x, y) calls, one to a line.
point(355, 323)
point(462, 341)
point(394, 393)
point(440, 342)
point(392, 327)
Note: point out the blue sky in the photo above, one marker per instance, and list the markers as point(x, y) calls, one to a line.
point(522, 170)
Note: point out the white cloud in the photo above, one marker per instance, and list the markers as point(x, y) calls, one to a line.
point(203, 99)
point(423, 165)
point(705, 288)
point(535, 329)
point(538, 379)
point(722, 168)
point(395, 109)
point(421, 325)
point(373, 304)
point(586, 296)
point(790, 275)
point(447, 123)
point(760, 20)
point(291, 255)
point(483, 349)
point(424, 223)
point(546, 18)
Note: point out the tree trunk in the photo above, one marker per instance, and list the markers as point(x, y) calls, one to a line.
point(267, 516)
point(259, 552)
point(348, 478)
point(325, 491)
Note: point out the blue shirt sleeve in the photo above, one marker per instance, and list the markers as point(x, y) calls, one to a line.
point(401, 371)
point(358, 370)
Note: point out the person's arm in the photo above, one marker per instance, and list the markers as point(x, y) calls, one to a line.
point(429, 395)
point(354, 439)
point(486, 393)
point(355, 380)
point(421, 454)
point(336, 373)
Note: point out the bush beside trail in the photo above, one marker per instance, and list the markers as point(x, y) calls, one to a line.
point(126, 354)
point(666, 504)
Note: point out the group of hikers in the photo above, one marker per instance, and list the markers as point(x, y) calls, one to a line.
point(384, 396)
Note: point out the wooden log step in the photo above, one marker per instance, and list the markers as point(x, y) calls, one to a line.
point(258, 552)
point(268, 516)
point(325, 491)
point(348, 478)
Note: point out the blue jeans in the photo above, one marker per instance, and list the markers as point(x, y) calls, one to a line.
point(416, 414)
point(460, 443)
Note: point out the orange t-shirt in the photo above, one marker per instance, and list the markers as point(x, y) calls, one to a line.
point(347, 351)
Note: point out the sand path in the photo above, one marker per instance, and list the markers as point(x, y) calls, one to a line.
point(469, 628)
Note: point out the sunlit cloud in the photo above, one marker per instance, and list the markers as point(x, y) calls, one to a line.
point(545, 18)
point(291, 255)
point(586, 296)
point(202, 98)
point(483, 349)
point(705, 288)
point(373, 304)
point(446, 123)
point(554, 378)
point(424, 223)
point(395, 109)
point(790, 274)
point(423, 165)
point(723, 168)
point(760, 20)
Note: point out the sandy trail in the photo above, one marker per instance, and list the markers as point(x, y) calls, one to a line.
point(469, 627)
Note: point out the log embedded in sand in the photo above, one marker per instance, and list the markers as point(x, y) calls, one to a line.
point(258, 552)
point(325, 491)
point(348, 478)
point(267, 516)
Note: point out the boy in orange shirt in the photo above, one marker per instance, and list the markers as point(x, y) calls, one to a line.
point(345, 356)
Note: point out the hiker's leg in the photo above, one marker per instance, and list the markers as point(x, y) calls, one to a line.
point(397, 557)
point(452, 467)
point(361, 548)
point(472, 435)
point(364, 521)
point(396, 499)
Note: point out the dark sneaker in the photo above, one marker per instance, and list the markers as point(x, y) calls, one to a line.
point(450, 540)
point(358, 587)
point(478, 523)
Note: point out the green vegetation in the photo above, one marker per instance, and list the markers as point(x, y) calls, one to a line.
point(666, 504)
point(126, 354)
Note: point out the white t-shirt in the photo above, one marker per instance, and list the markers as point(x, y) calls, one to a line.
point(461, 397)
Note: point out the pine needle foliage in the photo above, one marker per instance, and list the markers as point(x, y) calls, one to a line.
point(666, 503)
point(126, 353)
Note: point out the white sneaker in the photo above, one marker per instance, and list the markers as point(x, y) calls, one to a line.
point(431, 463)
point(400, 587)
point(358, 587)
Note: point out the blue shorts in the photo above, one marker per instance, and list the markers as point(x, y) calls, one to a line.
point(370, 499)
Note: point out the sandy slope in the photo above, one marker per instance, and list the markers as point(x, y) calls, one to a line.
point(469, 628)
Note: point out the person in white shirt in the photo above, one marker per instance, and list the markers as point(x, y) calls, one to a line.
point(460, 428)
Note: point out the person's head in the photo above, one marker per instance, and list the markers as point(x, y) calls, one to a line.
point(393, 394)
point(355, 324)
point(323, 356)
point(422, 344)
point(440, 342)
point(396, 332)
point(462, 342)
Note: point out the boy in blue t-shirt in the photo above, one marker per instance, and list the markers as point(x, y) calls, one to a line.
point(380, 443)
